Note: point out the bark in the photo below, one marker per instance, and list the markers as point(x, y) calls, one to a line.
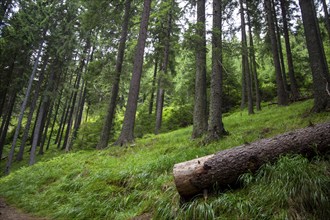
point(81, 103)
point(159, 109)
point(64, 117)
point(151, 104)
point(161, 90)
point(293, 82)
point(317, 58)
point(108, 123)
point(23, 107)
point(253, 63)
point(54, 120)
point(79, 115)
point(2, 101)
point(127, 132)
point(6, 92)
point(46, 127)
point(72, 104)
point(6, 122)
point(224, 168)
point(68, 138)
point(200, 105)
point(33, 105)
point(42, 130)
point(215, 127)
point(5, 84)
point(41, 116)
point(87, 112)
point(280, 51)
point(281, 93)
point(245, 61)
point(243, 92)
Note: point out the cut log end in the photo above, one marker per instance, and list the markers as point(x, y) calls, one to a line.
point(182, 175)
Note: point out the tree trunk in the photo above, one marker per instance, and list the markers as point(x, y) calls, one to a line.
point(54, 120)
point(72, 104)
point(317, 58)
point(159, 109)
point(80, 110)
point(5, 85)
point(46, 127)
point(81, 102)
point(108, 123)
point(151, 104)
point(68, 138)
point(253, 63)
point(64, 116)
point(245, 61)
point(21, 115)
point(293, 82)
point(161, 90)
point(33, 105)
point(6, 122)
point(215, 127)
point(224, 168)
point(280, 51)
point(127, 132)
point(41, 116)
point(200, 105)
point(281, 93)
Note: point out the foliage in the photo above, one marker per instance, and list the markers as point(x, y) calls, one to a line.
point(174, 117)
point(121, 183)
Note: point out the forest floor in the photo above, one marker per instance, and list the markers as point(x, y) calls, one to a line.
point(8, 212)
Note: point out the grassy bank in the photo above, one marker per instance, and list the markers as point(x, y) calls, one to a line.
point(121, 183)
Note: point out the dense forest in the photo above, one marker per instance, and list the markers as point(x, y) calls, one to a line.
point(84, 79)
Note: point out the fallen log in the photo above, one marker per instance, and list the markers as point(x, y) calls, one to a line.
point(224, 168)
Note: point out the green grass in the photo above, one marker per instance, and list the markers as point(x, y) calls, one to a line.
point(121, 183)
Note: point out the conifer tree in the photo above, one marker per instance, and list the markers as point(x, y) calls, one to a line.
point(127, 132)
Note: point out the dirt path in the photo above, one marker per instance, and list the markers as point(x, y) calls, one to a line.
point(8, 212)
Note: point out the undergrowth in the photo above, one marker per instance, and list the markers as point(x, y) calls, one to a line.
point(122, 183)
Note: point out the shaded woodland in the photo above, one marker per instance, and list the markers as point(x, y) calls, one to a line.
point(89, 74)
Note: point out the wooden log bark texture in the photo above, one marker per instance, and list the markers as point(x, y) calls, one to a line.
point(224, 168)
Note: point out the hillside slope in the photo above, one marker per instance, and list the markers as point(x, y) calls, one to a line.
point(123, 183)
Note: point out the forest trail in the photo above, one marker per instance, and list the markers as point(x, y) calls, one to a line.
point(8, 212)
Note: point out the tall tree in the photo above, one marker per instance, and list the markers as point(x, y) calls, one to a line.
point(152, 97)
point(127, 132)
point(279, 45)
point(42, 115)
point(23, 107)
point(293, 82)
point(245, 61)
point(282, 97)
point(317, 58)
point(67, 138)
point(200, 104)
point(253, 62)
point(105, 134)
point(20, 153)
point(215, 125)
point(163, 70)
point(5, 123)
